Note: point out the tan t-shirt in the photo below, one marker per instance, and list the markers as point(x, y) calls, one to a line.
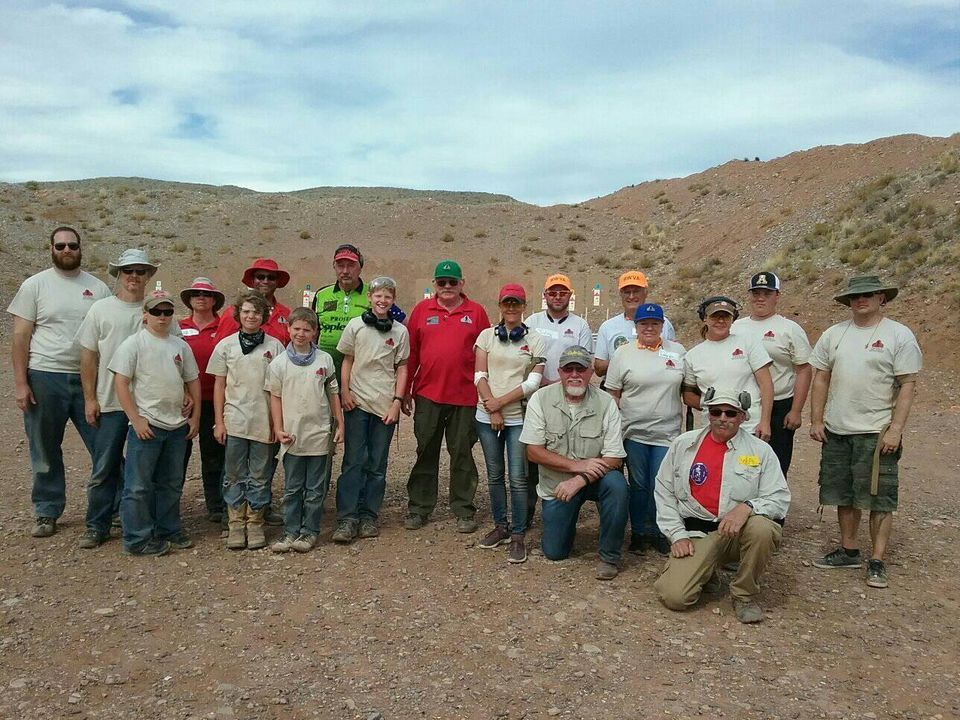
point(376, 356)
point(508, 364)
point(157, 368)
point(649, 384)
point(305, 392)
point(246, 412)
point(864, 364)
point(785, 342)
point(56, 305)
point(728, 364)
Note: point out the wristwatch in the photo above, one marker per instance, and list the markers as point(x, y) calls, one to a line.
point(749, 505)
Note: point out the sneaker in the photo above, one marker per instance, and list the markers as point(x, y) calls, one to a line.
point(304, 543)
point(517, 552)
point(150, 547)
point(91, 539)
point(368, 529)
point(284, 544)
point(467, 525)
point(44, 527)
point(180, 541)
point(713, 585)
point(839, 559)
point(638, 544)
point(661, 544)
point(115, 522)
point(273, 518)
point(747, 611)
point(877, 574)
point(215, 516)
point(496, 537)
point(606, 571)
point(414, 521)
point(346, 531)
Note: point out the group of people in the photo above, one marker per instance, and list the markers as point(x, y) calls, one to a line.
point(260, 384)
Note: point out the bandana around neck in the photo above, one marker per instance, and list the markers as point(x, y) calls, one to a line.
point(250, 341)
point(301, 359)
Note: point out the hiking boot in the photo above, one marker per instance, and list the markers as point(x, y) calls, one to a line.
point(150, 547)
point(180, 541)
point(304, 543)
point(345, 533)
point(91, 539)
point(877, 574)
point(839, 560)
point(517, 552)
point(638, 544)
point(44, 527)
point(661, 544)
point(606, 571)
point(733, 566)
point(237, 527)
point(272, 517)
point(496, 537)
point(414, 521)
point(284, 544)
point(215, 516)
point(747, 611)
point(713, 585)
point(255, 537)
point(467, 525)
point(368, 529)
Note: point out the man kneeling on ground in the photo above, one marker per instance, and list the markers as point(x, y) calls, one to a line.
point(721, 497)
point(572, 431)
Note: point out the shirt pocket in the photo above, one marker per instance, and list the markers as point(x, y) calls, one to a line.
point(746, 483)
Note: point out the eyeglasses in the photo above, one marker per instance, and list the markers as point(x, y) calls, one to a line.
point(60, 247)
point(511, 303)
point(626, 292)
point(574, 369)
point(203, 293)
point(446, 282)
point(865, 295)
point(556, 293)
point(161, 312)
point(717, 412)
point(264, 276)
point(134, 271)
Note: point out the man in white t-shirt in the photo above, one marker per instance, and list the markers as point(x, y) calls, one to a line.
point(863, 388)
point(47, 310)
point(621, 329)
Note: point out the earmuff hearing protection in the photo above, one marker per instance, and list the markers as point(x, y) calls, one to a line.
point(514, 335)
point(381, 324)
point(702, 307)
point(743, 397)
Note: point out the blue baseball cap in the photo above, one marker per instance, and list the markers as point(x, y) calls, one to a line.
point(650, 311)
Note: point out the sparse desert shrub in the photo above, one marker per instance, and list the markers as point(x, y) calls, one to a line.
point(305, 235)
point(480, 234)
point(660, 194)
point(140, 200)
point(551, 229)
point(539, 218)
point(494, 260)
point(32, 185)
point(576, 237)
point(571, 250)
point(447, 237)
point(179, 247)
point(532, 238)
point(139, 216)
point(28, 218)
point(636, 245)
point(645, 262)
point(949, 162)
point(663, 200)
point(602, 261)
point(409, 233)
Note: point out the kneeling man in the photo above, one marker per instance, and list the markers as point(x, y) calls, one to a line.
point(721, 497)
point(572, 431)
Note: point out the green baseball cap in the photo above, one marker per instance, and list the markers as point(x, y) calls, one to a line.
point(576, 354)
point(448, 269)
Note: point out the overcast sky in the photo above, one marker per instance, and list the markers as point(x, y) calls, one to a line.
point(545, 101)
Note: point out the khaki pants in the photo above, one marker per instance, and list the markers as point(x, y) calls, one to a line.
point(680, 584)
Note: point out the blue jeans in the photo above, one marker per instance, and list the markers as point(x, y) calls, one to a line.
point(59, 398)
point(247, 468)
point(303, 493)
point(106, 476)
point(611, 495)
point(363, 478)
point(152, 486)
point(643, 462)
point(494, 444)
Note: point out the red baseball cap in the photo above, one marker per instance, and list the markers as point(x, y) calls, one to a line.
point(266, 265)
point(348, 252)
point(513, 290)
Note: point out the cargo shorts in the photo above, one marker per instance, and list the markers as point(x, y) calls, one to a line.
point(846, 464)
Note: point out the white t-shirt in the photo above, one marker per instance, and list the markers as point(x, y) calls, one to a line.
point(728, 364)
point(649, 384)
point(557, 336)
point(785, 342)
point(508, 364)
point(618, 330)
point(56, 305)
point(246, 411)
point(305, 392)
point(376, 356)
point(157, 368)
point(864, 364)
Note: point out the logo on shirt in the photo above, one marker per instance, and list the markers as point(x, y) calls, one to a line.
point(618, 341)
point(877, 346)
point(698, 474)
point(524, 348)
point(433, 320)
point(738, 353)
point(320, 373)
point(268, 355)
point(466, 320)
point(282, 320)
point(389, 342)
point(769, 335)
point(177, 360)
point(568, 331)
point(670, 364)
point(87, 293)
point(330, 306)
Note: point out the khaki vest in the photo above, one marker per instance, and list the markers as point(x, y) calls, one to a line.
point(574, 439)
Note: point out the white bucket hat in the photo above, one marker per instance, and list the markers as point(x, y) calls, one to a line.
point(133, 256)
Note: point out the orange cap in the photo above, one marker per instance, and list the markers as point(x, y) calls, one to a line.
point(632, 277)
point(558, 279)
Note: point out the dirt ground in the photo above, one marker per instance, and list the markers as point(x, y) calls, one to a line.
point(426, 625)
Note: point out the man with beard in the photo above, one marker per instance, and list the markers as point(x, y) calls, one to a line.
point(47, 311)
point(572, 431)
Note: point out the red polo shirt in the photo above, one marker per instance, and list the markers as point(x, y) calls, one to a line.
point(275, 327)
point(441, 350)
point(202, 341)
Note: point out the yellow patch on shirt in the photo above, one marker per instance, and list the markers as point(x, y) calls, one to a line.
point(750, 460)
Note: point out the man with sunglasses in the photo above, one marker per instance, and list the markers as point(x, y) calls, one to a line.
point(109, 322)
point(443, 330)
point(264, 276)
point(47, 310)
point(721, 497)
point(865, 373)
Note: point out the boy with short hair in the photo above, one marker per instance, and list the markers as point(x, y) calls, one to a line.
point(304, 394)
point(151, 370)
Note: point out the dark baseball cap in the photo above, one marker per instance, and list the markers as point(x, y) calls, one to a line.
point(765, 280)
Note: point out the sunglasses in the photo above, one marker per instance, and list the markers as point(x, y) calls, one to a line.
point(857, 296)
point(442, 282)
point(717, 412)
point(63, 246)
point(632, 293)
point(264, 276)
point(161, 312)
point(556, 293)
point(134, 271)
point(203, 293)
point(574, 369)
